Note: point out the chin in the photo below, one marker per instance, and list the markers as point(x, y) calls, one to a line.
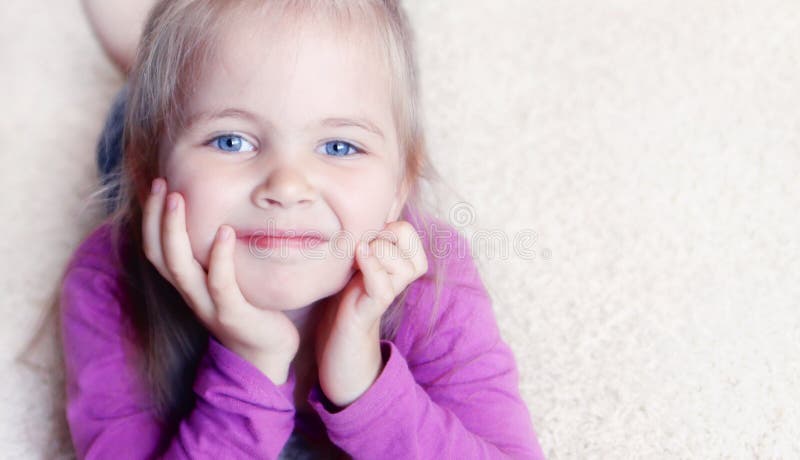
point(280, 300)
point(273, 285)
point(282, 295)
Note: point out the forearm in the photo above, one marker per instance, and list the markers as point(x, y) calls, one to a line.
point(397, 418)
point(118, 26)
point(276, 367)
point(359, 363)
point(109, 406)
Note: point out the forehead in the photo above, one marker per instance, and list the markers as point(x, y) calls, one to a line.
point(298, 69)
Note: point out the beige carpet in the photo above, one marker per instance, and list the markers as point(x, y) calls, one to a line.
point(650, 151)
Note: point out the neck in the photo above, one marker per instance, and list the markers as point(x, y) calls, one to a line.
point(305, 320)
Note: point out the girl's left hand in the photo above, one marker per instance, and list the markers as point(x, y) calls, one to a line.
point(348, 335)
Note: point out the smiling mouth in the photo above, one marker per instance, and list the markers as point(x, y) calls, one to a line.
point(264, 242)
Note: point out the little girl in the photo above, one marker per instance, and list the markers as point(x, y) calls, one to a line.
point(267, 285)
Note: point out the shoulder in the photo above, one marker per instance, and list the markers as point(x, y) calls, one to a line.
point(92, 281)
point(456, 333)
point(451, 296)
point(96, 249)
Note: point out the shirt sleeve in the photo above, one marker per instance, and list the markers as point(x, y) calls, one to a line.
point(456, 396)
point(239, 411)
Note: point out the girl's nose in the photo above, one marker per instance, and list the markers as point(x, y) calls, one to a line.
point(284, 187)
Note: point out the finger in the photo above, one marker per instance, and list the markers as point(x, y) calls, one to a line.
point(409, 244)
point(377, 282)
point(151, 226)
point(188, 275)
point(222, 285)
point(400, 269)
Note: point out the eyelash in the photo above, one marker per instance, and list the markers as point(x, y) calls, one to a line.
point(356, 149)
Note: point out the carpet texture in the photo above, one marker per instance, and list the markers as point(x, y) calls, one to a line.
point(633, 168)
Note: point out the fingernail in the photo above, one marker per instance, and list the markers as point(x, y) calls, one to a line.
point(172, 202)
point(224, 233)
point(157, 186)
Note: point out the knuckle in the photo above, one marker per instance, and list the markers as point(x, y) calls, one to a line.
point(404, 227)
point(149, 253)
point(152, 254)
point(404, 230)
point(423, 266)
point(179, 276)
point(409, 270)
point(389, 232)
point(173, 263)
point(385, 298)
point(217, 288)
point(226, 318)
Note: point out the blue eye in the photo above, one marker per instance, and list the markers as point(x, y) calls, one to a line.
point(231, 143)
point(341, 148)
point(234, 143)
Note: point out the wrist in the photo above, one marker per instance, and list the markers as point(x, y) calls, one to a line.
point(361, 374)
point(274, 365)
point(275, 368)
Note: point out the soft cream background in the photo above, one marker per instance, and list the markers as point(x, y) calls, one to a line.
point(653, 148)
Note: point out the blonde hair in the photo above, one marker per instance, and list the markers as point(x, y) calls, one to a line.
point(179, 38)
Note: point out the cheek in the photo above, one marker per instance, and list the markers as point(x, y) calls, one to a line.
point(201, 234)
point(365, 204)
point(205, 212)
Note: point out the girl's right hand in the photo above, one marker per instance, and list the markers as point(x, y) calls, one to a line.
point(266, 338)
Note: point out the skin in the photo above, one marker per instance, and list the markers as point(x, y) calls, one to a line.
point(281, 176)
point(117, 24)
point(276, 167)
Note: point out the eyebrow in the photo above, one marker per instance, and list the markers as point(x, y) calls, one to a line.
point(334, 122)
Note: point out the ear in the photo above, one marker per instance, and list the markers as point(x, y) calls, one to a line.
point(399, 201)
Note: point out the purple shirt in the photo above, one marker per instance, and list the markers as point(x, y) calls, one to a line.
point(454, 395)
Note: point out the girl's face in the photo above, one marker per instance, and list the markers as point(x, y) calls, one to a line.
point(287, 132)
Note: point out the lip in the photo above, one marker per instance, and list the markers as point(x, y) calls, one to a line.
point(289, 233)
point(271, 238)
